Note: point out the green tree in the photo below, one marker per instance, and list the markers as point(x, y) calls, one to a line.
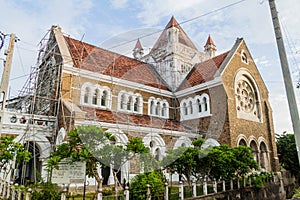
point(98, 149)
point(11, 151)
point(287, 153)
point(138, 185)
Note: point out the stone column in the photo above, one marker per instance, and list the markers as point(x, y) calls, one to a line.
point(8, 190)
point(111, 180)
point(205, 186)
point(194, 188)
point(224, 185)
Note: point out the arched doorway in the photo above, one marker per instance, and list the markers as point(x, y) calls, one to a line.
point(30, 172)
point(254, 148)
point(264, 159)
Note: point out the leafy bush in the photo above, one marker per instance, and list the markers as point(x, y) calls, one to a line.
point(138, 185)
point(46, 191)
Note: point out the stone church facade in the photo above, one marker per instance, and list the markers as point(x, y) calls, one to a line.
point(168, 97)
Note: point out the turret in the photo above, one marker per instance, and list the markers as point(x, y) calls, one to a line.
point(138, 50)
point(210, 47)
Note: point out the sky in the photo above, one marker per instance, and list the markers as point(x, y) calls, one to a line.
point(114, 22)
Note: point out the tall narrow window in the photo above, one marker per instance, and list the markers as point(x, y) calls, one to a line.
point(151, 107)
point(86, 95)
point(185, 109)
point(164, 110)
point(205, 104)
point(136, 105)
point(95, 97)
point(122, 102)
point(191, 107)
point(157, 110)
point(129, 103)
point(199, 105)
point(104, 98)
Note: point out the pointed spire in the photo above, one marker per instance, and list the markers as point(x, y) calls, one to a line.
point(138, 45)
point(138, 50)
point(209, 41)
point(172, 23)
point(210, 47)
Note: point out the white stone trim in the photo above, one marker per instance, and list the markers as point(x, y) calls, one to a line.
point(158, 112)
point(132, 97)
point(183, 140)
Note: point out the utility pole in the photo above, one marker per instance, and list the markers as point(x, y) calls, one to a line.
point(286, 76)
point(5, 76)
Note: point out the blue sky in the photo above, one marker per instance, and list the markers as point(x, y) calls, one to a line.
point(103, 23)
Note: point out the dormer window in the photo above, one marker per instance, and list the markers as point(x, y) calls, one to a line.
point(95, 95)
point(158, 107)
point(196, 107)
point(130, 102)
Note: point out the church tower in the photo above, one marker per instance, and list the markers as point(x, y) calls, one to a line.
point(174, 54)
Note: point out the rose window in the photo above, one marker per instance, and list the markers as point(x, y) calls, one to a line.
point(245, 96)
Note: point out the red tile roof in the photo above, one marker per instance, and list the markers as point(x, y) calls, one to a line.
point(203, 72)
point(132, 119)
point(209, 41)
point(98, 60)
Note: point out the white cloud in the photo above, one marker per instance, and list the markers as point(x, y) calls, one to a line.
point(119, 3)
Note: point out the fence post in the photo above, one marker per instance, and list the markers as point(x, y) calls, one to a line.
point(194, 188)
point(9, 185)
point(13, 191)
point(99, 195)
point(224, 185)
point(28, 194)
point(238, 183)
point(166, 191)
point(181, 193)
point(126, 193)
point(205, 186)
point(215, 186)
point(231, 184)
point(1, 185)
point(64, 194)
point(148, 192)
point(19, 193)
point(4, 188)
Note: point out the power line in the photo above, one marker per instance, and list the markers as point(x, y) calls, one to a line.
point(184, 22)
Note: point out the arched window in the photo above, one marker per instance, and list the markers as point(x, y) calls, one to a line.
point(191, 107)
point(104, 98)
point(244, 57)
point(164, 110)
point(157, 154)
point(95, 97)
point(122, 102)
point(199, 105)
point(129, 102)
point(242, 142)
point(254, 150)
point(136, 105)
point(185, 109)
point(205, 103)
point(157, 109)
point(264, 160)
point(151, 107)
point(86, 95)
